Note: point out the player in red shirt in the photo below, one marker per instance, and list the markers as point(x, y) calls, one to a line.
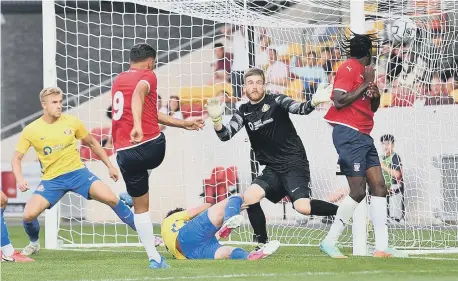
point(137, 139)
point(356, 99)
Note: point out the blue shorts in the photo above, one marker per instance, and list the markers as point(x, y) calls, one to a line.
point(197, 238)
point(356, 150)
point(78, 181)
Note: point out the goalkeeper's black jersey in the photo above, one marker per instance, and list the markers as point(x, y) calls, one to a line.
point(273, 137)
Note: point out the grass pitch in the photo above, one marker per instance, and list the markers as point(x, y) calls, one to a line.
point(289, 263)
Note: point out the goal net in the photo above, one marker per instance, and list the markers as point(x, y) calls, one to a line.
point(204, 47)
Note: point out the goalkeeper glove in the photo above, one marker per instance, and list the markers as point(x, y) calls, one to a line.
point(215, 109)
point(322, 94)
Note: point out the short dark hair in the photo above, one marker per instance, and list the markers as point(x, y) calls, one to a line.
point(141, 52)
point(254, 72)
point(359, 45)
point(218, 45)
point(387, 137)
point(171, 212)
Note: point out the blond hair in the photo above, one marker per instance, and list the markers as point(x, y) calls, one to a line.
point(50, 91)
point(254, 72)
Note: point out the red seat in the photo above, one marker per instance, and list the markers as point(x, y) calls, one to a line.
point(9, 185)
point(99, 134)
point(404, 100)
point(232, 175)
point(218, 175)
point(215, 187)
point(85, 153)
point(186, 110)
point(197, 109)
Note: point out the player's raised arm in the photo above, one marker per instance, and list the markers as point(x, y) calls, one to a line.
point(215, 109)
point(167, 120)
point(344, 81)
point(323, 94)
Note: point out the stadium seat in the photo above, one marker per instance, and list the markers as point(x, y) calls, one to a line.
point(186, 110)
point(209, 191)
point(232, 175)
point(404, 100)
point(200, 94)
point(216, 187)
point(190, 94)
point(85, 153)
point(386, 100)
point(221, 192)
point(295, 90)
point(100, 133)
point(9, 185)
point(454, 95)
point(192, 110)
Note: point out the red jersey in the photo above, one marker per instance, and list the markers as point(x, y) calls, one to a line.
point(123, 120)
point(358, 115)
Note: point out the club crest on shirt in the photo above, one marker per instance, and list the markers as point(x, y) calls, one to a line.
point(68, 132)
point(265, 107)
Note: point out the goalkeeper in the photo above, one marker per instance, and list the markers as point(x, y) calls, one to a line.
point(276, 145)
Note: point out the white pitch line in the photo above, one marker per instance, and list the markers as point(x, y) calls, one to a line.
point(284, 255)
point(267, 275)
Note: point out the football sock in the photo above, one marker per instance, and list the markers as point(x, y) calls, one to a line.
point(145, 232)
point(233, 207)
point(125, 214)
point(32, 229)
point(343, 216)
point(7, 248)
point(322, 208)
point(258, 222)
point(378, 211)
point(238, 254)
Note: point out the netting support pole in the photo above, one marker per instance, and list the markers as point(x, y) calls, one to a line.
point(251, 60)
point(49, 80)
point(357, 23)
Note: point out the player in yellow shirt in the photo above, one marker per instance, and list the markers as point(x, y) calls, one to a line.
point(54, 137)
point(191, 234)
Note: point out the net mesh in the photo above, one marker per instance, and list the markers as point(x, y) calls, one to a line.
point(417, 78)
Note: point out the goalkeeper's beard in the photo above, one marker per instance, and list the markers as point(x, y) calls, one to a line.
point(255, 96)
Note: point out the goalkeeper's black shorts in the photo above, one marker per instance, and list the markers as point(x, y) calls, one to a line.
point(137, 162)
point(295, 183)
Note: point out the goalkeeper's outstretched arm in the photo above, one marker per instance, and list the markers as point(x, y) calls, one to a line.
point(292, 106)
point(322, 94)
point(226, 132)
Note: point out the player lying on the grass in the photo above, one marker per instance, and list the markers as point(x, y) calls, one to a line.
point(53, 136)
point(8, 253)
point(190, 234)
point(137, 138)
point(356, 99)
point(277, 145)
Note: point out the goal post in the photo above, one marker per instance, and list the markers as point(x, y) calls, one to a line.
point(50, 80)
point(86, 45)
